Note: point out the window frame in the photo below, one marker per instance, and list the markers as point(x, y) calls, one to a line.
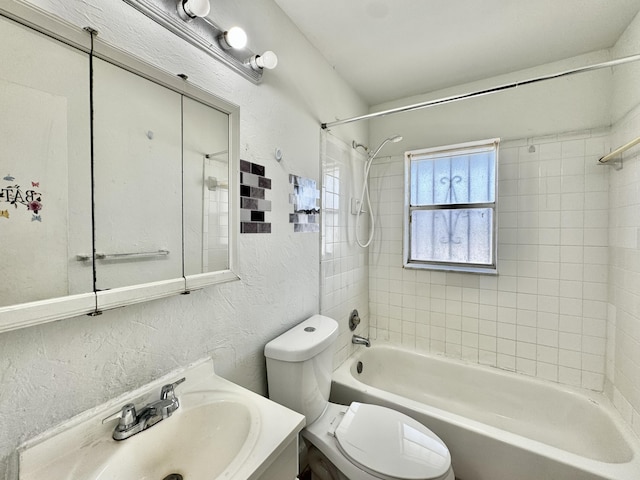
point(408, 262)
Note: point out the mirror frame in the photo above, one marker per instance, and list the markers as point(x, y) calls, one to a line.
point(28, 314)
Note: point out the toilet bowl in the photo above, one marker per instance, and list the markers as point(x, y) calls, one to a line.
point(369, 442)
point(362, 441)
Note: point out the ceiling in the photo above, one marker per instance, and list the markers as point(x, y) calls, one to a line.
point(391, 49)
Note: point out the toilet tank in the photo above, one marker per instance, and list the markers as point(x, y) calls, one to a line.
point(300, 364)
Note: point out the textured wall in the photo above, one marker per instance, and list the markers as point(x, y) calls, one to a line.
point(51, 372)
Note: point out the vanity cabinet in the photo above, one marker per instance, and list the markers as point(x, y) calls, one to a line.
point(285, 466)
point(220, 430)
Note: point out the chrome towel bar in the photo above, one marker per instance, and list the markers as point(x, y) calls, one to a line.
point(115, 256)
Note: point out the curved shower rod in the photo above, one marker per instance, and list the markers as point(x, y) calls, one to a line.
point(488, 91)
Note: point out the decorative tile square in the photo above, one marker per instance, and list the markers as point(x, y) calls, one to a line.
point(306, 216)
point(253, 205)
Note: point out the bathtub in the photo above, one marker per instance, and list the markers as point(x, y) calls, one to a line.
point(497, 425)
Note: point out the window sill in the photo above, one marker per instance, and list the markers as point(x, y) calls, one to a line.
point(452, 268)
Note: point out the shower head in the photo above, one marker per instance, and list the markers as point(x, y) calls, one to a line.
point(392, 138)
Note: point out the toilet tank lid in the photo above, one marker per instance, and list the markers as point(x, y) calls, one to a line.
point(303, 341)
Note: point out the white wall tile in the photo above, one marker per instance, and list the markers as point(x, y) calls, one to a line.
point(345, 276)
point(547, 371)
point(623, 313)
point(538, 317)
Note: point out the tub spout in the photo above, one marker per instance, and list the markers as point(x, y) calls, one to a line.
point(358, 340)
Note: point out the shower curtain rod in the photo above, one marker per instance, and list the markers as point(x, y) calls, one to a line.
point(488, 91)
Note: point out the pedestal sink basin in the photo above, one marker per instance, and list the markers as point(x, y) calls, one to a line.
point(219, 431)
point(208, 435)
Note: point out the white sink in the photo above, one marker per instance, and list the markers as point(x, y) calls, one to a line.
point(221, 430)
point(200, 440)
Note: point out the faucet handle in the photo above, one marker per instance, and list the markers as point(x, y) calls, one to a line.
point(167, 390)
point(126, 417)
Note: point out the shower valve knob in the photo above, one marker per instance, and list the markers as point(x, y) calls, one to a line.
point(354, 320)
point(356, 206)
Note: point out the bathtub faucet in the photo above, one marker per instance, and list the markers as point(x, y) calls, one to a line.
point(358, 340)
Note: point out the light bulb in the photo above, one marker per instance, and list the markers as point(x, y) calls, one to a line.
point(233, 38)
point(197, 8)
point(268, 60)
point(193, 8)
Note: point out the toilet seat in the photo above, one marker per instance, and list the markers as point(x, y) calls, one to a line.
point(390, 445)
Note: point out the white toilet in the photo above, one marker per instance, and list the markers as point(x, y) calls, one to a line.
point(361, 441)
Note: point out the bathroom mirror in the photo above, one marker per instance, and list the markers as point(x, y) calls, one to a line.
point(137, 167)
point(45, 178)
point(209, 193)
point(152, 218)
point(164, 194)
point(164, 172)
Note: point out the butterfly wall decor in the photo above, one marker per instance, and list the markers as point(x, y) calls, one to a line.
point(16, 196)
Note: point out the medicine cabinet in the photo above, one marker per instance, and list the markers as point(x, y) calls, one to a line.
point(133, 204)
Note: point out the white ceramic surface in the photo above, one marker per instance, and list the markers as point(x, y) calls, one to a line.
point(530, 428)
point(375, 443)
point(385, 442)
point(221, 430)
point(201, 440)
point(327, 446)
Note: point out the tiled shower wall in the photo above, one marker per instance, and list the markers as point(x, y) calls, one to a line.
point(344, 271)
point(545, 314)
point(623, 349)
point(215, 222)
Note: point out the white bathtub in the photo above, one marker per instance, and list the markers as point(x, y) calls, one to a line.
point(497, 425)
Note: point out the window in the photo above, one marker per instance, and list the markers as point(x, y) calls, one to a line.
point(450, 207)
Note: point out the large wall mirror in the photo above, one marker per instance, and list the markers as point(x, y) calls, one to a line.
point(133, 205)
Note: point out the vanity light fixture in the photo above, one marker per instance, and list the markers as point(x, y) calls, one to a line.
point(189, 20)
point(190, 9)
point(268, 60)
point(235, 38)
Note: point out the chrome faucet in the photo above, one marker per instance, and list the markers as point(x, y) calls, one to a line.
point(358, 340)
point(131, 422)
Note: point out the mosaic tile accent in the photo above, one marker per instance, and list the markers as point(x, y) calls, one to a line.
point(253, 204)
point(306, 213)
